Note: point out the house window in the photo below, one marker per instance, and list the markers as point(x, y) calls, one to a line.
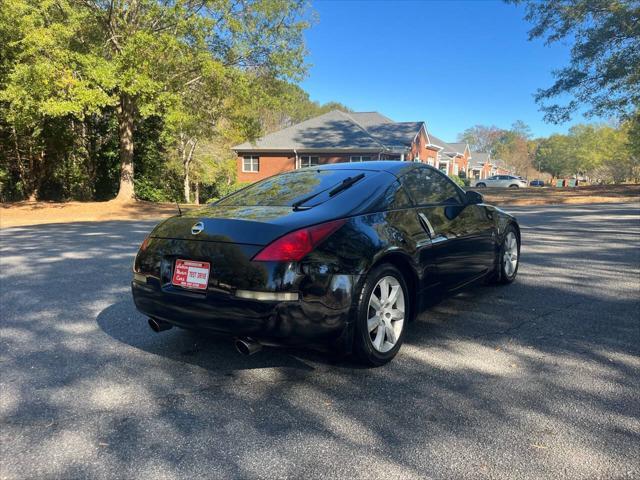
point(444, 166)
point(359, 158)
point(251, 164)
point(308, 161)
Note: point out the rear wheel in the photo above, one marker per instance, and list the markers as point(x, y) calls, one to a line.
point(383, 312)
point(514, 186)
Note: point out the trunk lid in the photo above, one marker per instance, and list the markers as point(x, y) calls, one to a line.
point(256, 225)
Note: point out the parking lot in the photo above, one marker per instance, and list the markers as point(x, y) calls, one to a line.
point(539, 379)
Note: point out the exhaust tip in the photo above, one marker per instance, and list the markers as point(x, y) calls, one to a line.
point(158, 326)
point(246, 346)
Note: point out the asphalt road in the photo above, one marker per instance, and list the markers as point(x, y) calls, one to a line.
point(540, 379)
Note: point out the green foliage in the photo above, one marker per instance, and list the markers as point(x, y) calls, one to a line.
point(605, 153)
point(600, 152)
point(604, 68)
point(194, 67)
point(555, 155)
point(459, 181)
point(225, 190)
point(146, 190)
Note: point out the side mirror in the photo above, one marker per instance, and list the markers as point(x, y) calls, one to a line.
point(474, 198)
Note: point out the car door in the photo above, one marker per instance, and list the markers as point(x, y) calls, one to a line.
point(505, 180)
point(461, 234)
point(492, 181)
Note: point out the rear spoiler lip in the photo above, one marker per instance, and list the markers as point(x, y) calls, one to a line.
point(210, 240)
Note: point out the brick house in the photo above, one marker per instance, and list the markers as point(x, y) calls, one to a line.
point(453, 158)
point(480, 166)
point(500, 167)
point(338, 136)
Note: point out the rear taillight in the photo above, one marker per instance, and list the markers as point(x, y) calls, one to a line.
point(294, 246)
point(145, 244)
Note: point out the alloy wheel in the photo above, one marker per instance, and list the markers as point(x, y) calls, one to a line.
point(510, 257)
point(386, 313)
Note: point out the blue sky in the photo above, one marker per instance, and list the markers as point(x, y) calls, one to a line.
point(453, 64)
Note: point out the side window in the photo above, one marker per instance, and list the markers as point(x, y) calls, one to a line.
point(395, 198)
point(428, 186)
point(308, 161)
point(251, 164)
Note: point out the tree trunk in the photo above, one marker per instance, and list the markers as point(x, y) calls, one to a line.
point(197, 193)
point(186, 162)
point(125, 127)
point(182, 151)
point(18, 160)
point(187, 184)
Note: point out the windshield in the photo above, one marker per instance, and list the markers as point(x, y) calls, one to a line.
point(287, 189)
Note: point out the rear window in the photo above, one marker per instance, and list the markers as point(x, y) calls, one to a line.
point(286, 189)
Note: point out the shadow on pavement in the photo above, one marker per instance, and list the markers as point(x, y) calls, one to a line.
point(535, 379)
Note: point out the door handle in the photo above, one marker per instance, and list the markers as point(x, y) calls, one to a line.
point(426, 224)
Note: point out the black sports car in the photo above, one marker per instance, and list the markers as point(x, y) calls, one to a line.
point(342, 256)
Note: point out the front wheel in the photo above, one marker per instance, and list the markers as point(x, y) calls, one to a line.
point(509, 257)
point(480, 185)
point(382, 314)
point(514, 186)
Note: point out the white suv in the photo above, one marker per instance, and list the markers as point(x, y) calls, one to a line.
point(501, 181)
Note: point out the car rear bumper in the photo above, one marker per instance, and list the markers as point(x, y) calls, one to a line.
point(312, 319)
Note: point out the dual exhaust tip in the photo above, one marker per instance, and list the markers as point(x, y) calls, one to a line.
point(245, 346)
point(158, 325)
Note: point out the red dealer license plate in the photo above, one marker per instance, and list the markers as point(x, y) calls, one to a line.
point(190, 274)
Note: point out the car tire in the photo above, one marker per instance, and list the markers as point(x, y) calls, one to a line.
point(507, 263)
point(377, 323)
point(514, 186)
point(481, 185)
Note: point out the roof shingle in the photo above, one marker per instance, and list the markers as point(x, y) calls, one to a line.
point(479, 158)
point(341, 131)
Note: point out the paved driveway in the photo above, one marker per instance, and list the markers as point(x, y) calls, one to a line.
point(536, 380)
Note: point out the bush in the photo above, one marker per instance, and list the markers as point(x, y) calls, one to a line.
point(224, 190)
point(460, 182)
point(146, 190)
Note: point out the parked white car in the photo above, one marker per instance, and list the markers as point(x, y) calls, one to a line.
point(501, 181)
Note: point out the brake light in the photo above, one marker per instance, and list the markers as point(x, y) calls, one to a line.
point(294, 246)
point(145, 244)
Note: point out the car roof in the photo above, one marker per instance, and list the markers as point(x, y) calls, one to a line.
point(390, 166)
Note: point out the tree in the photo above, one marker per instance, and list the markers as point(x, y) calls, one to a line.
point(632, 164)
point(78, 57)
point(284, 104)
point(512, 146)
point(481, 138)
point(555, 156)
point(513, 149)
point(602, 153)
point(521, 129)
point(615, 156)
point(604, 69)
point(589, 146)
point(632, 126)
point(194, 116)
